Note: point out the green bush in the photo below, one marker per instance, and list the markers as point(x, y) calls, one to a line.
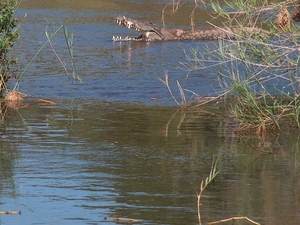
point(8, 36)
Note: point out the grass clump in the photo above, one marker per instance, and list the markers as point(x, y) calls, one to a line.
point(259, 70)
point(261, 111)
point(266, 84)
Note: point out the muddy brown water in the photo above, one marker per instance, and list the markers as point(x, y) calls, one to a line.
point(107, 150)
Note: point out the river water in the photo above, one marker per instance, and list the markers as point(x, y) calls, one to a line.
point(106, 149)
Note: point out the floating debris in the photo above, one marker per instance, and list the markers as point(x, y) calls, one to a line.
point(123, 220)
point(10, 212)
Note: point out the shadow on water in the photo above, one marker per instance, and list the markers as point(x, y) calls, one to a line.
point(106, 150)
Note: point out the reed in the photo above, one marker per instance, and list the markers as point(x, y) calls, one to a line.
point(184, 102)
point(69, 41)
point(258, 70)
point(204, 183)
point(69, 37)
point(34, 56)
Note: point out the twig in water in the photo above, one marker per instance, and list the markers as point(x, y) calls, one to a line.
point(10, 212)
point(233, 219)
point(123, 220)
point(260, 150)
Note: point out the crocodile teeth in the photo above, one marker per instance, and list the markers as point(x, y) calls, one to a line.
point(129, 24)
point(116, 38)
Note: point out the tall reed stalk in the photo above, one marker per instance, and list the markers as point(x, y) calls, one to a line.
point(204, 183)
point(70, 44)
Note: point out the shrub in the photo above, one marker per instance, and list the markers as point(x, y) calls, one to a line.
point(8, 36)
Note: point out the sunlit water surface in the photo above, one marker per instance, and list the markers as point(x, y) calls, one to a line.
point(105, 149)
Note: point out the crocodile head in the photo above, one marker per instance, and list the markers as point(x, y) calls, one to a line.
point(148, 30)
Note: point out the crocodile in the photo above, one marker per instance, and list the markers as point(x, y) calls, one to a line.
point(151, 32)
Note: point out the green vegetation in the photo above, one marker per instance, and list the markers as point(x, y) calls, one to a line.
point(9, 34)
point(258, 70)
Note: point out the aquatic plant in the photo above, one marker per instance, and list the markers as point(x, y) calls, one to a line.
point(263, 69)
point(70, 43)
point(259, 71)
point(69, 40)
point(9, 35)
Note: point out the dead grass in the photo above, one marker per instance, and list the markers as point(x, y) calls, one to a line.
point(283, 20)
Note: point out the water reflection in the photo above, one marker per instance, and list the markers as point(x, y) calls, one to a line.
point(93, 160)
